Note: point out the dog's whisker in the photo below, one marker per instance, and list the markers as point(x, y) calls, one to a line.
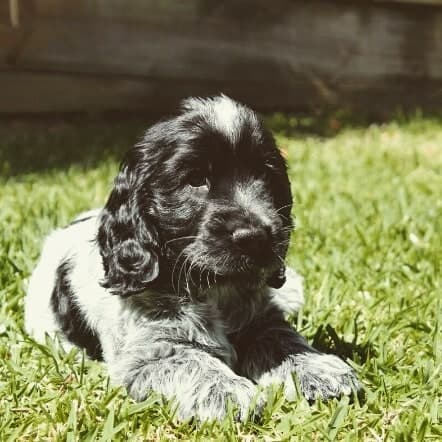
point(176, 289)
point(181, 238)
point(282, 207)
point(208, 278)
point(226, 259)
point(183, 267)
point(186, 274)
point(192, 265)
point(285, 230)
point(200, 276)
point(282, 261)
point(179, 275)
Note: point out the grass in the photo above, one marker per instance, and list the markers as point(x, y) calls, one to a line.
point(368, 242)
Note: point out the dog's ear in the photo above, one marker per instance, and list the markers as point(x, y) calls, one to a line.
point(128, 244)
point(278, 278)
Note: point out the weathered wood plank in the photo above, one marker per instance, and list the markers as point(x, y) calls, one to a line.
point(14, 28)
point(141, 10)
point(8, 40)
point(418, 2)
point(36, 92)
point(283, 54)
point(138, 10)
point(315, 38)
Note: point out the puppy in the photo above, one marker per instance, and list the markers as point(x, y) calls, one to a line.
point(177, 283)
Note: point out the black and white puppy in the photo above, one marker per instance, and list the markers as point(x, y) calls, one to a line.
point(177, 283)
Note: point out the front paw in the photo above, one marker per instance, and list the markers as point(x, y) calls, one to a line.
point(212, 401)
point(320, 376)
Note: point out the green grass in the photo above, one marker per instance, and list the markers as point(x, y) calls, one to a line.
point(368, 242)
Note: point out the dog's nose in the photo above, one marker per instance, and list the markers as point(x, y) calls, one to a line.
point(253, 241)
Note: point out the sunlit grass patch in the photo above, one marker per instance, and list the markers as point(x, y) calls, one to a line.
point(368, 209)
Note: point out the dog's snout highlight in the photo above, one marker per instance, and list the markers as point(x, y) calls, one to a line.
point(252, 240)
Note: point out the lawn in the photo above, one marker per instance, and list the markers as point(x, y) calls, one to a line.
point(368, 204)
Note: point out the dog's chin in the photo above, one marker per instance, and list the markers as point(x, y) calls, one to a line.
point(200, 269)
point(242, 281)
point(240, 277)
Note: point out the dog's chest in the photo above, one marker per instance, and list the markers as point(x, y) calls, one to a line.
point(231, 314)
point(235, 309)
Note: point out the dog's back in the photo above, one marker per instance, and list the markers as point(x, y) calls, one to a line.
point(58, 246)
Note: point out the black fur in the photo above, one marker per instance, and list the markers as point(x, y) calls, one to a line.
point(69, 318)
point(153, 202)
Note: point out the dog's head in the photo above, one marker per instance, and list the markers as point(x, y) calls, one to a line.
point(203, 198)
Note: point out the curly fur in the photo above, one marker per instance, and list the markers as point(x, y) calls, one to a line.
point(179, 282)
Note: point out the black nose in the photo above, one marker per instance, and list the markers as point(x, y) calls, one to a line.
point(252, 240)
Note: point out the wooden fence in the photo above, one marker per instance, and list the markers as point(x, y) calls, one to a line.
point(133, 55)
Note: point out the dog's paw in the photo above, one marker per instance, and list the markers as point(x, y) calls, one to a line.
point(212, 402)
point(320, 376)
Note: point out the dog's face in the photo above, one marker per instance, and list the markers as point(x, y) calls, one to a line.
point(204, 199)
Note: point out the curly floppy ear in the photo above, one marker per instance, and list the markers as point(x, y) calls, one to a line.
point(128, 245)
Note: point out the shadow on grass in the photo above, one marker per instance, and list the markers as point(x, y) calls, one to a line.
point(43, 145)
point(330, 124)
point(327, 340)
point(46, 143)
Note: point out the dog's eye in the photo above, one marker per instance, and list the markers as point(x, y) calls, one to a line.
point(198, 179)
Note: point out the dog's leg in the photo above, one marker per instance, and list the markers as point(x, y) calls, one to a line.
point(271, 352)
point(200, 383)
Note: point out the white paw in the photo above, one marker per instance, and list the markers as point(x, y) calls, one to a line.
point(319, 375)
point(214, 402)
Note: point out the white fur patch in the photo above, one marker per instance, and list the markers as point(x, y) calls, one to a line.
point(320, 376)
point(227, 117)
point(290, 297)
point(223, 113)
point(59, 245)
